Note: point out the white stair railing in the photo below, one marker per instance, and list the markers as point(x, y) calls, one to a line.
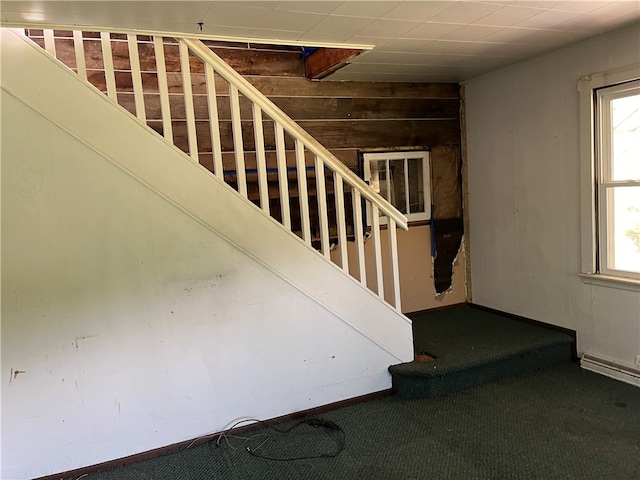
point(119, 56)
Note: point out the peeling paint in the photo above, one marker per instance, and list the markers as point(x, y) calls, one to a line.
point(454, 263)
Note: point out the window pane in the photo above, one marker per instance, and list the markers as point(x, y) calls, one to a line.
point(626, 137)
point(624, 225)
point(397, 185)
point(416, 186)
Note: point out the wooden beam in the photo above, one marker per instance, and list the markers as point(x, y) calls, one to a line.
point(324, 61)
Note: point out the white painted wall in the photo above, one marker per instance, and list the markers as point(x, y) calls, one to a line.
point(524, 196)
point(145, 303)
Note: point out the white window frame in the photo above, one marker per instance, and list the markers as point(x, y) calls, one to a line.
point(405, 155)
point(594, 148)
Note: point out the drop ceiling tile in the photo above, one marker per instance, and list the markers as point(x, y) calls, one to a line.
point(171, 27)
point(120, 22)
point(323, 38)
point(513, 35)
point(377, 42)
point(556, 38)
point(396, 68)
point(547, 19)
point(420, 11)
point(235, 15)
point(466, 12)
point(410, 59)
point(307, 7)
point(474, 61)
point(285, 20)
point(276, 36)
point(38, 17)
point(593, 23)
point(502, 49)
point(268, 4)
point(432, 75)
point(403, 45)
point(582, 6)
point(471, 32)
point(386, 28)
point(338, 28)
point(431, 30)
point(34, 7)
point(227, 32)
point(375, 9)
point(443, 47)
point(623, 8)
point(509, 15)
point(164, 13)
point(539, 3)
point(431, 59)
point(391, 58)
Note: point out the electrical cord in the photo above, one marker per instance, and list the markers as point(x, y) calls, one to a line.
point(331, 429)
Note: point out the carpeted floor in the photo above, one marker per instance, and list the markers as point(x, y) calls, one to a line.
point(464, 336)
point(471, 347)
point(555, 423)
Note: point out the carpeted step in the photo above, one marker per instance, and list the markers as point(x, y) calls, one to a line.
point(471, 347)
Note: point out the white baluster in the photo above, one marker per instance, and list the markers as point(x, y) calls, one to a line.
point(192, 133)
point(107, 56)
point(321, 192)
point(393, 256)
point(359, 234)
point(163, 88)
point(261, 162)
point(136, 76)
point(214, 122)
point(301, 166)
point(341, 221)
point(49, 42)
point(236, 126)
point(283, 177)
point(377, 251)
point(78, 47)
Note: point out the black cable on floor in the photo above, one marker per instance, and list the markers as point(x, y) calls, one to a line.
point(331, 429)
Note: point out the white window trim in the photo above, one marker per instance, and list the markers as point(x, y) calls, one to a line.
point(586, 87)
point(403, 155)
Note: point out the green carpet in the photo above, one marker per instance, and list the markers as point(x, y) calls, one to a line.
point(472, 347)
point(554, 423)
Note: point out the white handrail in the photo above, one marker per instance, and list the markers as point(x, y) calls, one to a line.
point(207, 56)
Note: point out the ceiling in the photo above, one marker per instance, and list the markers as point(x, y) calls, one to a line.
point(407, 41)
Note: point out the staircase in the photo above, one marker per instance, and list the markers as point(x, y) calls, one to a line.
point(164, 282)
point(182, 90)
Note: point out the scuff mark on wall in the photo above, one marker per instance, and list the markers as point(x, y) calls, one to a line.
point(75, 342)
point(14, 374)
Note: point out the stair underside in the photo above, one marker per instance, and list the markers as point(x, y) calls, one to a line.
point(472, 347)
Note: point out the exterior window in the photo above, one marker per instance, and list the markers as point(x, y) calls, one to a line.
point(617, 175)
point(402, 178)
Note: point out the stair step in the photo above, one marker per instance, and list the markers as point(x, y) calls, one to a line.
point(471, 347)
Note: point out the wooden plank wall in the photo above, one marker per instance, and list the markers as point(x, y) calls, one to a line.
point(346, 117)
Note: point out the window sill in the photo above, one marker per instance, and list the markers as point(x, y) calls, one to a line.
point(611, 281)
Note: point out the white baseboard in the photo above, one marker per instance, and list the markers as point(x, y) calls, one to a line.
point(624, 373)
